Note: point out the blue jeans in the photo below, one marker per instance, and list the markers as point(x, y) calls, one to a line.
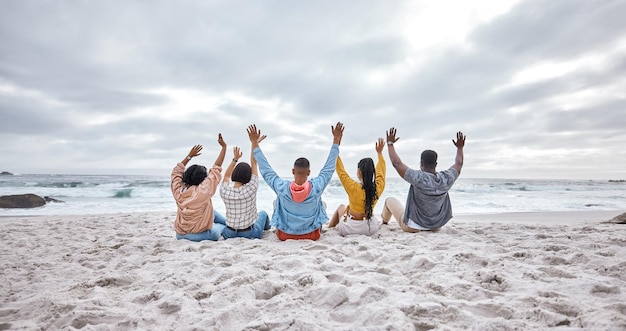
point(219, 224)
point(262, 223)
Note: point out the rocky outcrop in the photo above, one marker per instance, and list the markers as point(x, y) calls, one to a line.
point(21, 201)
point(619, 219)
point(6, 173)
point(49, 199)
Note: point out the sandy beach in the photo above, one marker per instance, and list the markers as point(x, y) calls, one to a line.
point(483, 272)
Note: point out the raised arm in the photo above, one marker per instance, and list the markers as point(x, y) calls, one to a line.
point(253, 166)
point(381, 167)
point(459, 143)
point(326, 173)
point(220, 157)
point(380, 145)
point(195, 151)
point(254, 144)
point(229, 171)
point(269, 175)
point(177, 173)
point(400, 167)
point(337, 133)
point(345, 179)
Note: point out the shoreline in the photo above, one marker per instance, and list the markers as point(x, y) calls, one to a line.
point(553, 217)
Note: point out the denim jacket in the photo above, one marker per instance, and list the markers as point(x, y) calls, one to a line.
point(292, 217)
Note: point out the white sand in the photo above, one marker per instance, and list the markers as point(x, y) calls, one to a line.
point(490, 272)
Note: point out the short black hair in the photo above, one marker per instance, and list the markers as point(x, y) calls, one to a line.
point(194, 175)
point(302, 163)
point(242, 173)
point(429, 158)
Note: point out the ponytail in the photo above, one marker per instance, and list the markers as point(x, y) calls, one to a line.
point(366, 166)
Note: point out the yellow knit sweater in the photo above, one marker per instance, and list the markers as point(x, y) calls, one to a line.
point(356, 194)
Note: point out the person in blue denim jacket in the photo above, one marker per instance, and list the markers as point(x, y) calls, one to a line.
point(299, 211)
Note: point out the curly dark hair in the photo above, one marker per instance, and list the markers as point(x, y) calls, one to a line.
point(366, 166)
point(194, 175)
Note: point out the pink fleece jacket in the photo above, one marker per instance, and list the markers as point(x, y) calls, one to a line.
point(195, 209)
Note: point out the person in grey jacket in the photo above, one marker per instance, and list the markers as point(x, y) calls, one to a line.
point(428, 205)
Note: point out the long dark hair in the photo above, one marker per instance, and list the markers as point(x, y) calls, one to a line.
point(366, 166)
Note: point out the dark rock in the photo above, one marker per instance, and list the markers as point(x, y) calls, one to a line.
point(6, 173)
point(21, 201)
point(49, 199)
point(619, 219)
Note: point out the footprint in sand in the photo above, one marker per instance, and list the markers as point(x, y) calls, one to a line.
point(92, 319)
point(556, 273)
point(316, 248)
point(555, 260)
point(330, 296)
point(310, 279)
point(603, 290)
point(425, 311)
point(266, 290)
point(113, 282)
point(520, 255)
point(472, 258)
point(143, 299)
point(563, 309)
point(547, 318)
point(372, 294)
point(421, 263)
point(169, 308)
point(338, 278)
point(243, 280)
point(202, 295)
point(491, 310)
point(490, 280)
point(549, 295)
point(555, 248)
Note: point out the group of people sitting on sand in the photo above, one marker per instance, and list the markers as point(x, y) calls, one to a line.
point(299, 211)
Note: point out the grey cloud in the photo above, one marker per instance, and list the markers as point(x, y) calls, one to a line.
point(104, 58)
point(28, 117)
point(555, 29)
point(607, 117)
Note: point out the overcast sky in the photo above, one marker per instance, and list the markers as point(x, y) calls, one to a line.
point(127, 87)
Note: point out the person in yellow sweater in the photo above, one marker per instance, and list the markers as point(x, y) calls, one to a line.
point(358, 216)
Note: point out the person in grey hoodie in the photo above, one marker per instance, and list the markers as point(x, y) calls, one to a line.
point(428, 205)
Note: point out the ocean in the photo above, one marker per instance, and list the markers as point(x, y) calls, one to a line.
point(104, 194)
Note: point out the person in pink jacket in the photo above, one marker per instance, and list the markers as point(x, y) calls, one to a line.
point(196, 220)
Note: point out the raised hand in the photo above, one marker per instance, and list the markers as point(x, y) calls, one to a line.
point(221, 141)
point(460, 140)
point(337, 132)
point(237, 153)
point(391, 136)
point(380, 145)
point(195, 151)
point(254, 134)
